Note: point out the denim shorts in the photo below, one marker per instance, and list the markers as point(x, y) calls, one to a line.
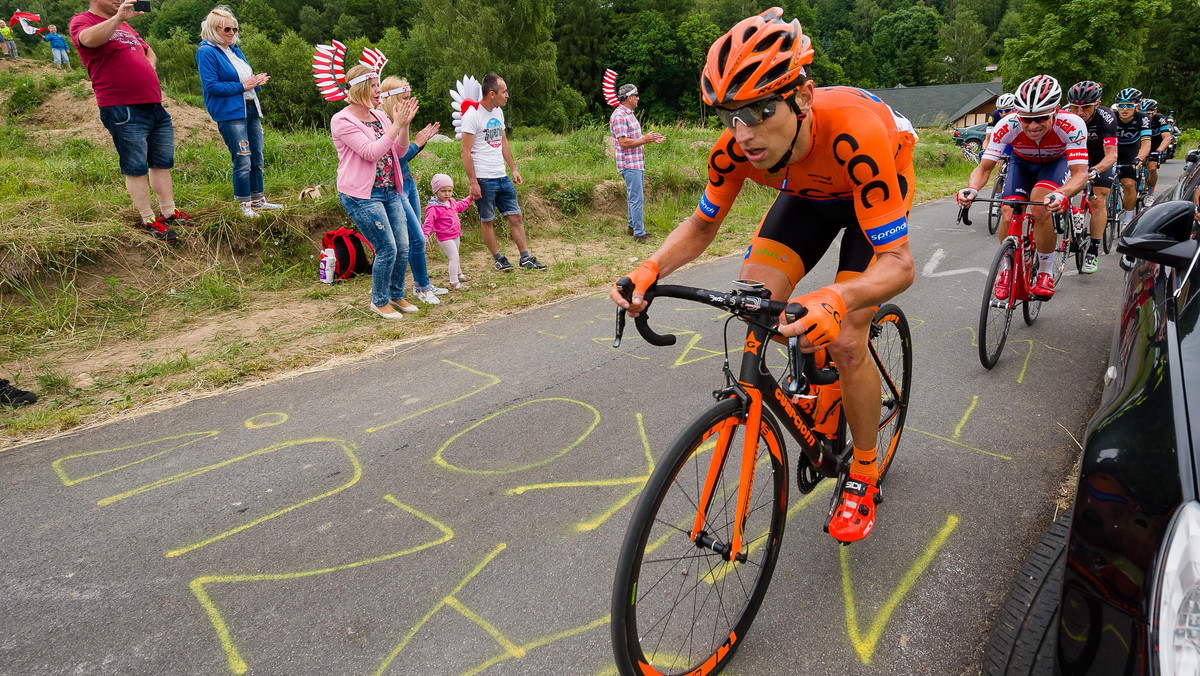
point(499, 198)
point(143, 136)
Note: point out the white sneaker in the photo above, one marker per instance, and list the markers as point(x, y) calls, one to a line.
point(437, 290)
point(463, 278)
point(1089, 264)
point(264, 204)
point(248, 212)
point(428, 297)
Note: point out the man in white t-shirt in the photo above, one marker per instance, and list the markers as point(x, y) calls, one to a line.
point(485, 153)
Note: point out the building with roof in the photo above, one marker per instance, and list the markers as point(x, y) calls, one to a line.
point(957, 105)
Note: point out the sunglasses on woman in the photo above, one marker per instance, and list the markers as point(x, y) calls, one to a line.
point(229, 29)
point(750, 115)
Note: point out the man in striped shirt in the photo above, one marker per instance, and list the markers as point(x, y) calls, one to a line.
point(631, 159)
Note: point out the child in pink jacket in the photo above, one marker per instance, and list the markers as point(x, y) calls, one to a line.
point(441, 219)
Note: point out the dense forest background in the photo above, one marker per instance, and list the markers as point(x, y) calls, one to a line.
point(552, 53)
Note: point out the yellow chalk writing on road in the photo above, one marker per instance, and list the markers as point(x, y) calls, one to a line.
point(492, 380)
point(537, 463)
point(67, 480)
point(865, 645)
point(266, 420)
point(636, 481)
point(225, 636)
point(963, 421)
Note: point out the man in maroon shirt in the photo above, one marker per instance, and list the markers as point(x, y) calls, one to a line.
point(121, 67)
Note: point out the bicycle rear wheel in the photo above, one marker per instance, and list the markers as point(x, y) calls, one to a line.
point(678, 608)
point(995, 316)
point(891, 349)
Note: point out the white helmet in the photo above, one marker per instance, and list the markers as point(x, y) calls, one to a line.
point(1039, 95)
point(1006, 102)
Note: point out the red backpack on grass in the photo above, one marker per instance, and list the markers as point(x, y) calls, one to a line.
point(351, 249)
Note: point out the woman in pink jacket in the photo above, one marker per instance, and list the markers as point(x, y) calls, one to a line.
point(441, 219)
point(369, 183)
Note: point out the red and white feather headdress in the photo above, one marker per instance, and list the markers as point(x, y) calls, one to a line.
point(608, 87)
point(329, 70)
point(466, 95)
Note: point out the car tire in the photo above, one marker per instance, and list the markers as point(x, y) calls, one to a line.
point(1024, 638)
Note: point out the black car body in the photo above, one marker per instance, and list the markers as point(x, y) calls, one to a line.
point(1128, 553)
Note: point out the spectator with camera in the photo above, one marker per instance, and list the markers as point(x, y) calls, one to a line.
point(121, 67)
point(230, 89)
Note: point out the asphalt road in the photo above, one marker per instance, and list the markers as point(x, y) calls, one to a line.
point(457, 508)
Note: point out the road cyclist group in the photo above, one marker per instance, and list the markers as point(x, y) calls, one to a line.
point(701, 545)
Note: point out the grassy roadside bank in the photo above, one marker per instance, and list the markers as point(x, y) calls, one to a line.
point(99, 319)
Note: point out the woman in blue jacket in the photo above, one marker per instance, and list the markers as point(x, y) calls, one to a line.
point(231, 96)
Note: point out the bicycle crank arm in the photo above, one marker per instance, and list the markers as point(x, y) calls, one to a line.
point(703, 541)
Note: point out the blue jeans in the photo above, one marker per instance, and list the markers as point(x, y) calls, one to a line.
point(382, 221)
point(416, 237)
point(244, 138)
point(143, 135)
point(498, 196)
point(635, 197)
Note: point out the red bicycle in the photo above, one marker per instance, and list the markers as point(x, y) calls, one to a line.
point(995, 316)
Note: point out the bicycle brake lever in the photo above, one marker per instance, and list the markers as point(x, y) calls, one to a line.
point(964, 215)
point(620, 326)
point(625, 285)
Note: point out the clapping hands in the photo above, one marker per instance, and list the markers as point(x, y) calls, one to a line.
point(256, 80)
point(656, 137)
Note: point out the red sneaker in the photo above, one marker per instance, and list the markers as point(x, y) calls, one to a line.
point(179, 218)
point(1002, 284)
point(1043, 287)
point(854, 515)
point(160, 230)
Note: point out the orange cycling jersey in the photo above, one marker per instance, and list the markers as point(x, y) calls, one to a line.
point(861, 150)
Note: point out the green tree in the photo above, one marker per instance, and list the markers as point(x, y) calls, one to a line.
point(1172, 75)
point(906, 44)
point(312, 26)
point(262, 17)
point(966, 42)
point(510, 38)
point(1100, 40)
point(182, 14)
point(693, 37)
point(580, 33)
point(866, 14)
point(857, 60)
point(648, 58)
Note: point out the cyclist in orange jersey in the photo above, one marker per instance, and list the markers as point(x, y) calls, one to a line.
point(842, 161)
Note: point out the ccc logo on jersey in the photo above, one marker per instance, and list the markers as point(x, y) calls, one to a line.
point(845, 151)
point(722, 161)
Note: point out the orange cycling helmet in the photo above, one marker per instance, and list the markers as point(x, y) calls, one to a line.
point(761, 55)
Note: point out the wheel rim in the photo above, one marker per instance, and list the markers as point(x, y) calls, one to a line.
point(995, 316)
point(687, 607)
point(891, 348)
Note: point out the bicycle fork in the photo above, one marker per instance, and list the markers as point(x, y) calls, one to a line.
point(731, 551)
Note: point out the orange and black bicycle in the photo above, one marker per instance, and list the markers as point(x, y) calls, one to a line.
point(702, 544)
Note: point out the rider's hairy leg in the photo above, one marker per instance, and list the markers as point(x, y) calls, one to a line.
point(860, 384)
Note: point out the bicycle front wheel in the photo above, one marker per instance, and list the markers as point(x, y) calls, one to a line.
point(891, 349)
point(995, 316)
point(994, 207)
point(677, 607)
point(1113, 223)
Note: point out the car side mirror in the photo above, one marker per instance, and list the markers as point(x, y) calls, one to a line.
point(1193, 155)
point(1162, 234)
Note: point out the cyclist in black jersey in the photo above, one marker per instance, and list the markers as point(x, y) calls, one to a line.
point(1005, 104)
point(1133, 145)
point(1160, 139)
point(1084, 100)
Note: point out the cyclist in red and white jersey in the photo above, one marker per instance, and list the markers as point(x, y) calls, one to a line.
point(1049, 165)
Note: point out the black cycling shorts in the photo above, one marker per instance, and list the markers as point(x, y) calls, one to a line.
point(796, 232)
point(1106, 178)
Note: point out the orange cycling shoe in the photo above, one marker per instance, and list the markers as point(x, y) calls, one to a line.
point(854, 515)
point(1043, 287)
point(1002, 284)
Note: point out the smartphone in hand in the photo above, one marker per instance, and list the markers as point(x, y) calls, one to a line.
point(141, 5)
